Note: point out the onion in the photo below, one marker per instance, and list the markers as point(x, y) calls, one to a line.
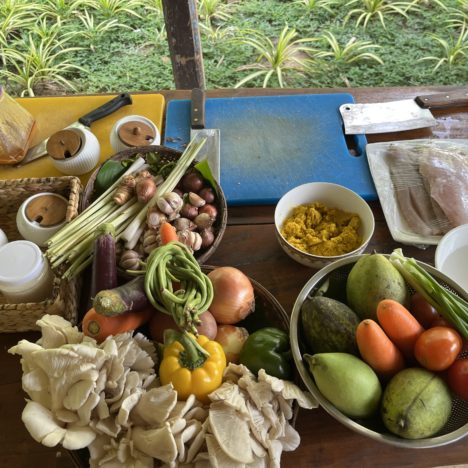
point(232, 339)
point(233, 295)
point(161, 322)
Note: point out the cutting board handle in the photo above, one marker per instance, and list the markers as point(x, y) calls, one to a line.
point(443, 100)
point(197, 116)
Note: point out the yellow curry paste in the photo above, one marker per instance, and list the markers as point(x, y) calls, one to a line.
point(319, 230)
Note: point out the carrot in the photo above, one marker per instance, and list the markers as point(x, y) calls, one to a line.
point(377, 349)
point(99, 326)
point(168, 233)
point(399, 325)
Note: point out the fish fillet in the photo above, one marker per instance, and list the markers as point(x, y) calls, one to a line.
point(447, 175)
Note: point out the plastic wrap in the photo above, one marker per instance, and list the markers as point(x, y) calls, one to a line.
point(16, 127)
point(422, 186)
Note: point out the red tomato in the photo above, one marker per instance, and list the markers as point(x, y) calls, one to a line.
point(457, 377)
point(437, 348)
point(424, 313)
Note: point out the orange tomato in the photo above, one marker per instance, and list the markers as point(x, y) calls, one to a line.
point(437, 348)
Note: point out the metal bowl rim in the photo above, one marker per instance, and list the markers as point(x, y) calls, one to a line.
point(430, 442)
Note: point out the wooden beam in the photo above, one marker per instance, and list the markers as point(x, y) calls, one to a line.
point(183, 36)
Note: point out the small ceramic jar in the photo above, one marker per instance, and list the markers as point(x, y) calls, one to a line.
point(132, 131)
point(25, 274)
point(74, 151)
point(40, 216)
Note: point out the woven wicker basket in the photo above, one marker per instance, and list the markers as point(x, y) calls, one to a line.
point(268, 313)
point(168, 155)
point(65, 294)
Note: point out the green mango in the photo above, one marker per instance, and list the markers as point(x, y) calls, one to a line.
point(347, 382)
point(372, 279)
point(416, 404)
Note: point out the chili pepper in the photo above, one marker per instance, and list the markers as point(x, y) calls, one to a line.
point(192, 365)
point(268, 349)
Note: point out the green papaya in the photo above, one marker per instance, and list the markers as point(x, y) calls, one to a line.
point(328, 326)
point(372, 279)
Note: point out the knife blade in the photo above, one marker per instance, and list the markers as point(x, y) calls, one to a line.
point(395, 116)
point(40, 150)
point(211, 149)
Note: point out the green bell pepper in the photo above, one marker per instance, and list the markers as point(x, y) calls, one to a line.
point(268, 349)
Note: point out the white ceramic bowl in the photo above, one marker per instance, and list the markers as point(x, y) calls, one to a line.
point(333, 196)
point(118, 145)
point(451, 256)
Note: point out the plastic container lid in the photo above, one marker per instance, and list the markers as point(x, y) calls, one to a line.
point(20, 262)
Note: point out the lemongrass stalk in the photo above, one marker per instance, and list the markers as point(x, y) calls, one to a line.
point(168, 185)
point(100, 202)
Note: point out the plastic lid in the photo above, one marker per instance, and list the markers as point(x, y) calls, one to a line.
point(20, 262)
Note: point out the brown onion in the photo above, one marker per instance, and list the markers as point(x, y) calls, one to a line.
point(233, 295)
point(231, 338)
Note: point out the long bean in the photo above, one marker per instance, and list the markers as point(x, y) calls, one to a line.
point(170, 263)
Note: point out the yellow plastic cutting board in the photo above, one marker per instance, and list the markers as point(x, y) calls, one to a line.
point(55, 113)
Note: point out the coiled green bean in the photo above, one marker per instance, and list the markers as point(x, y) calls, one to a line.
point(174, 263)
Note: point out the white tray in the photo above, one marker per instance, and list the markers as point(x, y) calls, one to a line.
point(380, 171)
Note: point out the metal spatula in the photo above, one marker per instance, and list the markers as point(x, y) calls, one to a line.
point(211, 149)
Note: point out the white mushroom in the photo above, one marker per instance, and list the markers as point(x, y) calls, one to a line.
point(155, 405)
point(157, 443)
point(185, 436)
point(291, 439)
point(231, 394)
point(36, 384)
point(181, 407)
point(77, 394)
point(107, 426)
point(276, 384)
point(274, 451)
point(84, 411)
point(196, 444)
point(259, 392)
point(292, 392)
point(217, 455)
point(198, 413)
point(56, 332)
point(127, 405)
point(231, 432)
point(44, 428)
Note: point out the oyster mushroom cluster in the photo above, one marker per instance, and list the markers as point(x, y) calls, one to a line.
point(108, 399)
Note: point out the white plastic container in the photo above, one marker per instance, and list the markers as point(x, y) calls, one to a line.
point(3, 238)
point(25, 274)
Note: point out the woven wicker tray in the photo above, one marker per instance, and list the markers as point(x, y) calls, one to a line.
point(65, 294)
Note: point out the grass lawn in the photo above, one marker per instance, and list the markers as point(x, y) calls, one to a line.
point(120, 51)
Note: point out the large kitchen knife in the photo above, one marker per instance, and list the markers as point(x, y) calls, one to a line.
point(40, 150)
point(396, 116)
point(211, 149)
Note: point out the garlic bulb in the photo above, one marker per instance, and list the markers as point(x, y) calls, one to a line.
point(151, 240)
point(191, 239)
point(170, 204)
point(154, 218)
point(130, 260)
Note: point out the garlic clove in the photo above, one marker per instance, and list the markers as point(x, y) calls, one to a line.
point(196, 200)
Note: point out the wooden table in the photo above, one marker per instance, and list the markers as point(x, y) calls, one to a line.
point(249, 243)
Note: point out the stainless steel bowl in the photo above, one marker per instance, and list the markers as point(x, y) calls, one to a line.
point(337, 272)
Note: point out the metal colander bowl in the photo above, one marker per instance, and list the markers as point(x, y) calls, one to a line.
point(336, 273)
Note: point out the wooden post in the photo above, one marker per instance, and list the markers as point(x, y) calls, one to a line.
point(183, 36)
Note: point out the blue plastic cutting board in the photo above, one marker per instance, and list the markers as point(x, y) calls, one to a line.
point(271, 144)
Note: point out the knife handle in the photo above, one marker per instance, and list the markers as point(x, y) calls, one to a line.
point(106, 109)
point(443, 100)
point(197, 118)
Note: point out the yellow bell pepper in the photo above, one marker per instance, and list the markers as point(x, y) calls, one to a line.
point(193, 365)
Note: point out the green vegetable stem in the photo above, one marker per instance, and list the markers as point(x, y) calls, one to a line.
point(268, 349)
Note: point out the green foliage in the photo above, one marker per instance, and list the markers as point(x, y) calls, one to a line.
point(111, 8)
point(370, 9)
point(92, 30)
point(353, 51)
point(312, 5)
point(135, 56)
point(35, 60)
point(451, 51)
point(285, 54)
